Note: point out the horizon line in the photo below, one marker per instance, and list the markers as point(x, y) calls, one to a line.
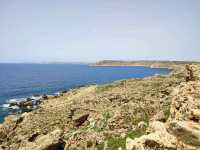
point(88, 62)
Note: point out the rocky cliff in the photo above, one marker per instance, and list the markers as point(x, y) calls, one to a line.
point(154, 113)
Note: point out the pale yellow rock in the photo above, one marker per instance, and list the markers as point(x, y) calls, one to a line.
point(160, 138)
point(157, 126)
point(43, 142)
point(186, 131)
point(160, 116)
point(133, 145)
point(142, 124)
point(195, 114)
point(186, 102)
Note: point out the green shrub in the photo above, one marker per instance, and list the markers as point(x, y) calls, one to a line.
point(166, 110)
point(102, 123)
point(100, 146)
point(105, 87)
point(115, 143)
point(136, 133)
point(140, 117)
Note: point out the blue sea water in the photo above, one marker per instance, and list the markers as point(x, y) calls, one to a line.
point(24, 80)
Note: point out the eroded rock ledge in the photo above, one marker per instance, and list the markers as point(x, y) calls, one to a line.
point(154, 113)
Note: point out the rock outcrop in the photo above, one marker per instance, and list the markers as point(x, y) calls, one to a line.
point(182, 129)
point(51, 141)
point(159, 139)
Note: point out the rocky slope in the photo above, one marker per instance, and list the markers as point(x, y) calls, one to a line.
point(160, 112)
point(182, 129)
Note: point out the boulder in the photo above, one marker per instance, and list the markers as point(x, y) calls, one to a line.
point(142, 124)
point(26, 104)
point(11, 104)
point(64, 91)
point(195, 115)
point(29, 99)
point(186, 131)
point(189, 74)
point(51, 141)
point(159, 139)
point(14, 118)
point(44, 97)
point(157, 126)
point(80, 119)
point(160, 116)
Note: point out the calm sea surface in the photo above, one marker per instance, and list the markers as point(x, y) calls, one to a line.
point(18, 81)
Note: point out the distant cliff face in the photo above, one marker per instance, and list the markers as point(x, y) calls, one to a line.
point(153, 64)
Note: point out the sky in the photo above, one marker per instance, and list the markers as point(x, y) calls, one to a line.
point(93, 30)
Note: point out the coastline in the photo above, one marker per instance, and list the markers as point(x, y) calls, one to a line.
point(96, 114)
point(30, 103)
point(143, 63)
point(153, 67)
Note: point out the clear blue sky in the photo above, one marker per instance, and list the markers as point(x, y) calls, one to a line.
point(90, 30)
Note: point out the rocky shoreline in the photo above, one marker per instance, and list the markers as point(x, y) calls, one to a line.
point(31, 103)
point(154, 113)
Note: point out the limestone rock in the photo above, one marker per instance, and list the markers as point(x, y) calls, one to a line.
point(79, 120)
point(11, 104)
point(186, 102)
point(195, 115)
point(160, 139)
point(186, 131)
point(142, 124)
point(189, 73)
point(157, 126)
point(50, 141)
point(160, 116)
point(45, 97)
point(184, 121)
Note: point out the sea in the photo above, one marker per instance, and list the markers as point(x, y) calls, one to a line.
point(19, 81)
